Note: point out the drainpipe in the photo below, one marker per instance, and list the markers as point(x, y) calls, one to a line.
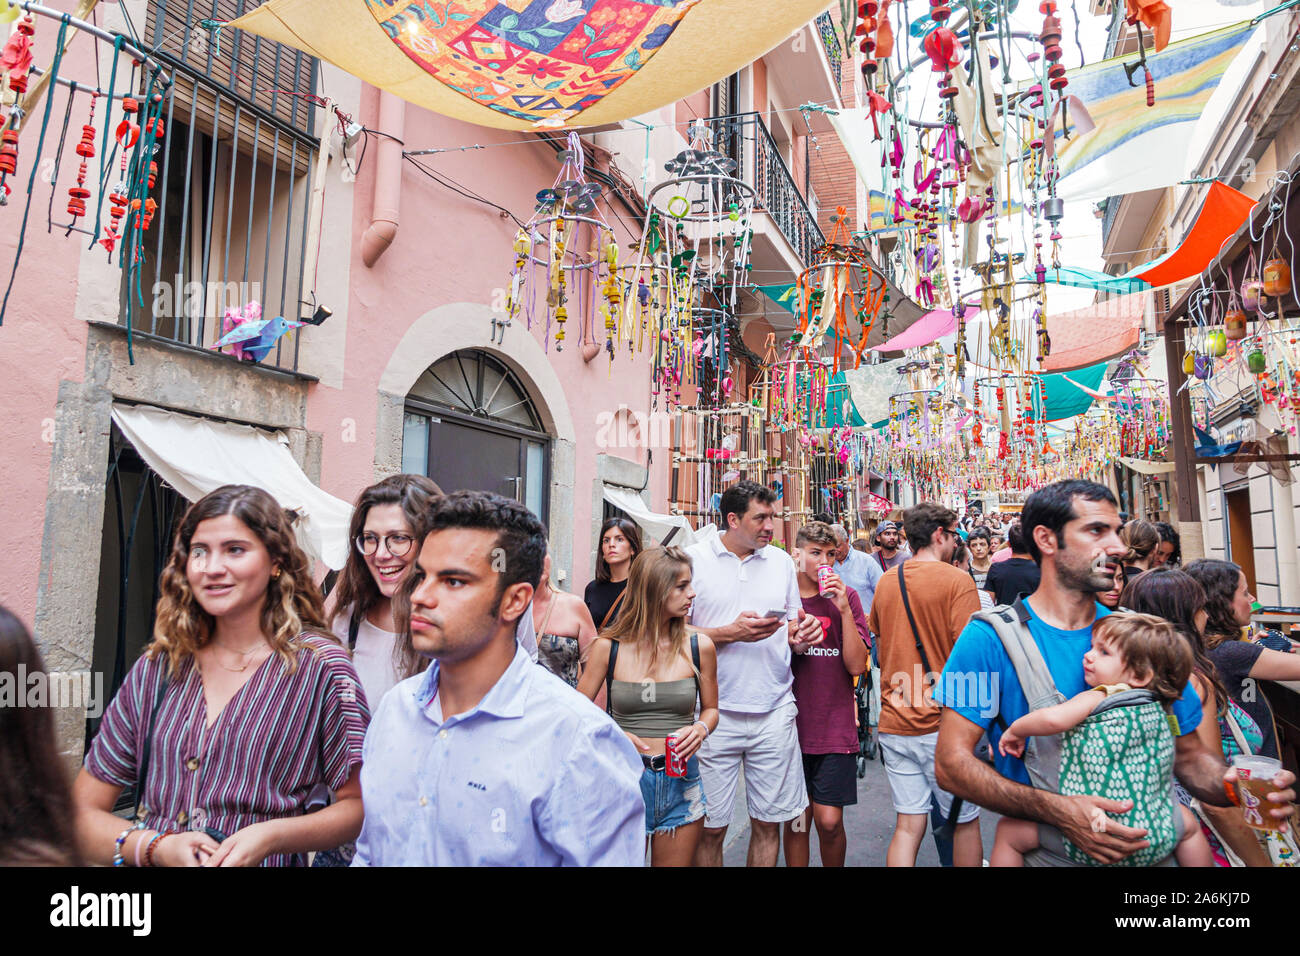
point(388, 179)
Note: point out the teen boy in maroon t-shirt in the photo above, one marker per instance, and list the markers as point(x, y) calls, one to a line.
point(823, 690)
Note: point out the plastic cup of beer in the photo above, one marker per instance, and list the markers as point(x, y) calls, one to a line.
point(1254, 784)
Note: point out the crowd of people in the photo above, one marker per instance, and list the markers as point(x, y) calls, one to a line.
point(447, 704)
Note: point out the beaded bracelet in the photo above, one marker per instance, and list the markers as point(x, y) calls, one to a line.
point(117, 845)
point(148, 852)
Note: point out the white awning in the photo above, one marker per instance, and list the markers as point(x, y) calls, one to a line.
point(197, 455)
point(1143, 467)
point(672, 530)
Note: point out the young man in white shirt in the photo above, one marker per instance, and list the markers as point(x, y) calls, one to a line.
point(486, 759)
point(747, 601)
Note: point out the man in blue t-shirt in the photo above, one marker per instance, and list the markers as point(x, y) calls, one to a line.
point(1070, 529)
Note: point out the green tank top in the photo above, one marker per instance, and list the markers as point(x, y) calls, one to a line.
point(652, 708)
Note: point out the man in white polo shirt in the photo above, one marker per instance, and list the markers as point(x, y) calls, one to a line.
point(746, 590)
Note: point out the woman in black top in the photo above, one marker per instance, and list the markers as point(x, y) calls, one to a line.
point(1240, 663)
point(620, 542)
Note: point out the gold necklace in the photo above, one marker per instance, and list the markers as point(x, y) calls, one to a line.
point(244, 654)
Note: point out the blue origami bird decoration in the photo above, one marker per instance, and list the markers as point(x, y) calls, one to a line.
point(257, 338)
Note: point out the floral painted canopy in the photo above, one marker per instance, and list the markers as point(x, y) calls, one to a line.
point(528, 64)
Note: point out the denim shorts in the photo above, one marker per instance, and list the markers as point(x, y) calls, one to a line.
point(672, 802)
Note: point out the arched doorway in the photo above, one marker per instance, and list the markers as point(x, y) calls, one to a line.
point(470, 423)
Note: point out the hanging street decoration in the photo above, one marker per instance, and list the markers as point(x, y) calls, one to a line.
point(534, 64)
point(112, 201)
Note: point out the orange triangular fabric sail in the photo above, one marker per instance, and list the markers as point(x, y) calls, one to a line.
point(1222, 215)
point(1094, 334)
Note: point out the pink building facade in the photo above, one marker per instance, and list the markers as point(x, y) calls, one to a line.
point(412, 370)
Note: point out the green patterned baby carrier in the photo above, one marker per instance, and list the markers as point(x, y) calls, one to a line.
point(1123, 751)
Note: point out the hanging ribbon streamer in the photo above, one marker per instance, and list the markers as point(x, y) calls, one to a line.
point(40, 146)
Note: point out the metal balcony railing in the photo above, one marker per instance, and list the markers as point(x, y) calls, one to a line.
point(745, 138)
point(1108, 217)
point(234, 214)
point(234, 171)
point(831, 43)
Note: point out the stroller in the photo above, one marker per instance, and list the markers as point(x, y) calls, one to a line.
point(867, 720)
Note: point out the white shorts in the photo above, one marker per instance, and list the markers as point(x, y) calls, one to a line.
point(769, 746)
point(909, 764)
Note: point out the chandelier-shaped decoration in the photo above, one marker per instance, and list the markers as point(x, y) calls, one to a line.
point(691, 261)
point(555, 271)
point(839, 297)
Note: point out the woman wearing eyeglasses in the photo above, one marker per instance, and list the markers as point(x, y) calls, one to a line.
point(384, 545)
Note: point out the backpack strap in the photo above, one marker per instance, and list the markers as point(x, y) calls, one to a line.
point(1011, 624)
point(354, 627)
point(695, 659)
point(609, 676)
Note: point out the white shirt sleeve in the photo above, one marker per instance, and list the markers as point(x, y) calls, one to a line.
point(793, 602)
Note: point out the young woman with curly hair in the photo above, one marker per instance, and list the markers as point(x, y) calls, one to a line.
point(241, 705)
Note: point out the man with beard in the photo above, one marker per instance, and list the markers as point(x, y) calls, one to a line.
point(888, 554)
point(919, 610)
point(1070, 529)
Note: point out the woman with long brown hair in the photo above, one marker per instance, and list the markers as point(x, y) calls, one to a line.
point(620, 543)
point(385, 543)
point(238, 709)
point(36, 822)
point(655, 674)
point(1179, 598)
point(1228, 604)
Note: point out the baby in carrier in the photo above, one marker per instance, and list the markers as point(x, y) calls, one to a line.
point(1117, 742)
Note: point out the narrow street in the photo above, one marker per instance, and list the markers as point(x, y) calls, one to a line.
point(869, 824)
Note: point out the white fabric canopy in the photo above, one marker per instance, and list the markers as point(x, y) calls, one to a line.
point(197, 455)
point(658, 526)
point(1144, 467)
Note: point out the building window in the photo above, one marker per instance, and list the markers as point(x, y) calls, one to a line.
point(235, 166)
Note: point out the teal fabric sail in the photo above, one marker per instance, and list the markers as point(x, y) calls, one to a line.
point(782, 295)
point(838, 400)
point(1065, 398)
point(1081, 278)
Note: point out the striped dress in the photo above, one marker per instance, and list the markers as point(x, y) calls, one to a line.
point(276, 739)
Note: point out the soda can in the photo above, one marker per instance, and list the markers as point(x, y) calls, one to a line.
point(674, 765)
point(823, 571)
